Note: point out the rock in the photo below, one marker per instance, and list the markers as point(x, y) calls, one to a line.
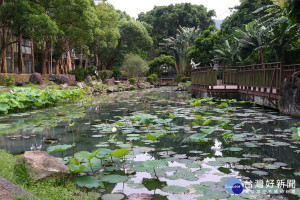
point(142, 79)
point(40, 165)
point(36, 78)
point(41, 87)
point(20, 83)
point(147, 85)
point(65, 78)
point(131, 87)
point(289, 102)
point(6, 90)
point(111, 89)
point(80, 85)
point(51, 83)
point(63, 86)
point(141, 85)
point(88, 79)
point(110, 81)
point(127, 83)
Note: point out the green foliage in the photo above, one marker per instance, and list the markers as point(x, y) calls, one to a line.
point(9, 80)
point(179, 47)
point(179, 77)
point(163, 61)
point(88, 182)
point(135, 66)
point(29, 98)
point(165, 20)
point(105, 74)
point(184, 79)
point(132, 81)
point(116, 72)
point(80, 73)
point(152, 78)
point(202, 50)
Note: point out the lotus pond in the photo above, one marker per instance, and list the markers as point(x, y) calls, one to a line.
point(161, 144)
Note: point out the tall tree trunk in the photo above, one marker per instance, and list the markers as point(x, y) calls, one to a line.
point(262, 59)
point(97, 60)
point(45, 51)
point(21, 67)
point(32, 57)
point(86, 59)
point(80, 58)
point(64, 65)
point(68, 61)
point(3, 50)
point(12, 61)
point(57, 66)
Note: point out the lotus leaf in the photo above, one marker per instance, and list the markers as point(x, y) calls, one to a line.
point(155, 163)
point(88, 182)
point(119, 152)
point(59, 148)
point(114, 178)
point(175, 189)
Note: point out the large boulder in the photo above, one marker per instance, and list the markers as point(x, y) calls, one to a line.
point(20, 83)
point(40, 165)
point(289, 102)
point(110, 81)
point(88, 79)
point(80, 85)
point(65, 79)
point(36, 78)
point(111, 89)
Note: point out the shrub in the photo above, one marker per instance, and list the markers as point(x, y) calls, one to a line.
point(105, 74)
point(185, 79)
point(116, 72)
point(152, 78)
point(91, 70)
point(80, 73)
point(9, 80)
point(178, 77)
point(135, 66)
point(132, 81)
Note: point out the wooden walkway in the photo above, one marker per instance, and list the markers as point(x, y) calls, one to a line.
point(262, 80)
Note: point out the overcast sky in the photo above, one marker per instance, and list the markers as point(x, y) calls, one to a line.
point(134, 7)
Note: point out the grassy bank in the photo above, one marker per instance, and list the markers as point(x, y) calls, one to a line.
point(46, 190)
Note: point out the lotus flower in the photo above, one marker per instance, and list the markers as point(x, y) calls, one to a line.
point(114, 129)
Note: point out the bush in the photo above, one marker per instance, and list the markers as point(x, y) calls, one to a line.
point(105, 74)
point(152, 78)
point(91, 70)
point(185, 79)
point(80, 73)
point(178, 77)
point(116, 72)
point(132, 81)
point(135, 66)
point(9, 80)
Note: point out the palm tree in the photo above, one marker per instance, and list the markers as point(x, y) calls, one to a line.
point(229, 54)
point(254, 39)
point(178, 47)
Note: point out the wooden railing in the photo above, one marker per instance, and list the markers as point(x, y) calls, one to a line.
point(264, 78)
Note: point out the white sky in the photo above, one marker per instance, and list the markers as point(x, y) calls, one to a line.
point(134, 7)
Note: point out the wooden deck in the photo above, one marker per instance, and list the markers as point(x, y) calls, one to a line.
point(263, 80)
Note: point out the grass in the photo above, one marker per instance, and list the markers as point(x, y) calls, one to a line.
point(47, 190)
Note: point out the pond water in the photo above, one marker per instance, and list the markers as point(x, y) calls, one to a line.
point(174, 148)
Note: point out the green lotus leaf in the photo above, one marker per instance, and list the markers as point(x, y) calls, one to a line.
point(175, 189)
point(59, 148)
point(119, 152)
point(155, 163)
point(88, 182)
point(114, 178)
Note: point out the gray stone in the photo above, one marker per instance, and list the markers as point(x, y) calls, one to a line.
point(80, 85)
point(65, 78)
point(289, 102)
point(111, 89)
point(36, 78)
point(7, 90)
point(88, 79)
point(41, 87)
point(63, 86)
point(110, 81)
point(20, 83)
point(51, 83)
point(141, 85)
point(40, 165)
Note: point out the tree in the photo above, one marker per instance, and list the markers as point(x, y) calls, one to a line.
point(163, 61)
point(202, 50)
point(165, 20)
point(227, 54)
point(179, 47)
point(135, 66)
